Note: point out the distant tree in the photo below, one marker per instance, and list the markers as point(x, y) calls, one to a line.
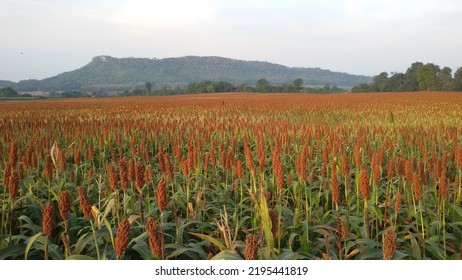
point(380, 82)
point(457, 85)
point(223, 86)
point(397, 82)
point(8, 92)
point(240, 87)
point(445, 79)
point(410, 82)
point(427, 75)
point(148, 86)
point(298, 84)
point(361, 88)
point(262, 85)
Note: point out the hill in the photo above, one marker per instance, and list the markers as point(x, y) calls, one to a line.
point(5, 83)
point(109, 73)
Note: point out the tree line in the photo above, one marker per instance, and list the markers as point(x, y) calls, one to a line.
point(418, 77)
point(8, 93)
point(262, 86)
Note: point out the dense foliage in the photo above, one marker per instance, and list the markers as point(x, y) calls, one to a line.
point(419, 76)
point(232, 176)
point(8, 92)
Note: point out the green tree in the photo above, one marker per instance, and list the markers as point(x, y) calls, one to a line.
point(262, 85)
point(361, 88)
point(457, 85)
point(8, 92)
point(298, 84)
point(410, 82)
point(445, 79)
point(148, 86)
point(223, 86)
point(381, 82)
point(396, 82)
point(427, 75)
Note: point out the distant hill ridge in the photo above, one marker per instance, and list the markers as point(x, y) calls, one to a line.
point(110, 73)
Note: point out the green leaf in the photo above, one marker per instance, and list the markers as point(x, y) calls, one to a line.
point(264, 213)
point(12, 252)
point(109, 229)
point(415, 249)
point(30, 243)
point(143, 250)
point(83, 241)
point(80, 257)
point(211, 240)
point(29, 224)
point(227, 255)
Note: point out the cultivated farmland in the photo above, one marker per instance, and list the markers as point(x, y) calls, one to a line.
point(233, 176)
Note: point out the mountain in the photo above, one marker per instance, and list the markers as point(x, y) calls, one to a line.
point(4, 83)
point(110, 73)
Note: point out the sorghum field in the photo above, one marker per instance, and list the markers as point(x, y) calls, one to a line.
point(233, 176)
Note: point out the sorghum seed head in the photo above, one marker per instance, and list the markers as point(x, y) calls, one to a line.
point(112, 177)
point(121, 240)
point(365, 186)
point(13, 183)
point(64, 204)
point(273, 214)
point(155, 237)
point(398, 202)
point(416, 187)
point(389, 244)
point(251, 247)
point(48, 219)
point(85, 204)
point(162, 196)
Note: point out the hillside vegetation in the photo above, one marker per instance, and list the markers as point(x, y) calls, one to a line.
point(118, 74)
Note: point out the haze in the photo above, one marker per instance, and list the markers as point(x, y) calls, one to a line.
point(44, 38)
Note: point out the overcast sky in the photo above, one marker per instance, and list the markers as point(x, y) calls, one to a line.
point(42, 38)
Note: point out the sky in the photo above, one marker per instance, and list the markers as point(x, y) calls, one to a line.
point(42, 38)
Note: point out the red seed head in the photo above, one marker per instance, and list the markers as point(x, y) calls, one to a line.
point(48, 171)
point(416, 187)
point(365, 186)
point(121, 240)
point(13, 183)
point(77, 156)
point(238, 169)
point(389, 244)
point(162, 196)
point(397, 202)
point(155, 238)
point(112, 176)
point(13, 155)
point(123, 173)
point(48, 219)
point(139, 176)
point(251, 247)
point(131, 170)
point(64, 205)
point(85, 204)
point(357, 154)
point(168, 167)
point(62, 162)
